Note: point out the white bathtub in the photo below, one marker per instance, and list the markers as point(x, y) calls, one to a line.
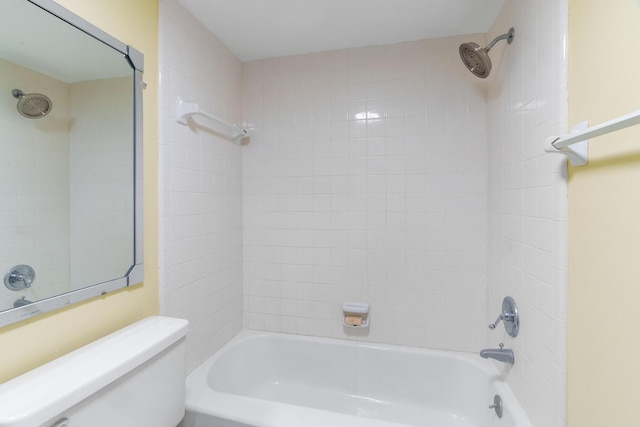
point(263, 379)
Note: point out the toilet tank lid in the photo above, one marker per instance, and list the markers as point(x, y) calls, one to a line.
point(41, 394)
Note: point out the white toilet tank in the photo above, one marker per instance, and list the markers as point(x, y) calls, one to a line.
point(131, 378)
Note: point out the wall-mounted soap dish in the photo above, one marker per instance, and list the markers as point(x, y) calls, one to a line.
point(356, 314)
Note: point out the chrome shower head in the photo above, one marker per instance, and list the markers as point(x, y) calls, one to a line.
point(32, 105)
point(476, 58)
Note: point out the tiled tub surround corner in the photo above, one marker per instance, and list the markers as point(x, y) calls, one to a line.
point(528, 204)
point(200, 186)
point(365, 180)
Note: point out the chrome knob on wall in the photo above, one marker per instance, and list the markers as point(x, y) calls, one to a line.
point(19, 277)
point(497, 405)
point(510, 317)
point(507, 317)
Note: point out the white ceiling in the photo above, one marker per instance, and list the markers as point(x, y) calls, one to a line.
point(256, 29)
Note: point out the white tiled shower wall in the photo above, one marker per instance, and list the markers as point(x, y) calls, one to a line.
point(200, 185)
point(527, 202)
point(365, 180)
point(370, 176)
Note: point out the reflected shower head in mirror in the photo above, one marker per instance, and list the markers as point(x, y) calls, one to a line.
point(476, 58)
point(32, 105)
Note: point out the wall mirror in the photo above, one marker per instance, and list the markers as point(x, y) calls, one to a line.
point(71, 160)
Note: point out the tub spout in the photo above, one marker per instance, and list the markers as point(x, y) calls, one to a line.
point(500, 354)
point(20, 302)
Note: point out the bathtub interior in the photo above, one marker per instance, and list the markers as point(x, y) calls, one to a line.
point(407, 387)
point(195, 419)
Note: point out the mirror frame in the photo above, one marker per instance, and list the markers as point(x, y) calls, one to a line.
point(135, 274)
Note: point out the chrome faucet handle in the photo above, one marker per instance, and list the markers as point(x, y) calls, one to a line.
point(510, 317)
point(19, 277)
point(494, 324)
point(507, 317)
point(497, 405)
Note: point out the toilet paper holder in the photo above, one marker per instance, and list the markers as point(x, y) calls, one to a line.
point(355, 314)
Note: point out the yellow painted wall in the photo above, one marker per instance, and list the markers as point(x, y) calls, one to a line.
point(604, 218)
point(31, 343)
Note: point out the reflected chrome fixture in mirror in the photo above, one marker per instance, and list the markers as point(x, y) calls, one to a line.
point(32, 105)
point(78, 216)
point(510, 317)
point(476, 58)
point(19, 277)
point(21, 302)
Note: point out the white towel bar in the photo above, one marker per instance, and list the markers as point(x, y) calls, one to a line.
point(574, 145)
point(188, 109)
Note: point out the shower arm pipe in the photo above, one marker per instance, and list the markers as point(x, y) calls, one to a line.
point(506, 36)
point(188, 109)
point(575, 144)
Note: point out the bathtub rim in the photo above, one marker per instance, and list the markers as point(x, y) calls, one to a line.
point(267, 413)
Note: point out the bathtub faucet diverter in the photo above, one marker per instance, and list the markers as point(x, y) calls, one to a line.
point(500, 354)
